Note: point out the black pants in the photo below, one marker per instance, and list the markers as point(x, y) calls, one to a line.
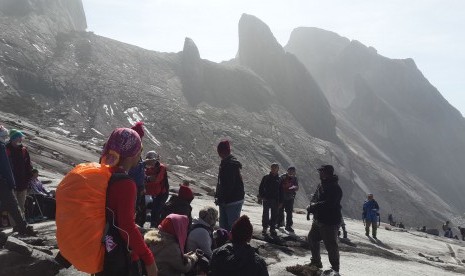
point(141, 211)
point(47, 205)
point(270, 204)
point(10, 204)
point(288, 207)
point(327, 233)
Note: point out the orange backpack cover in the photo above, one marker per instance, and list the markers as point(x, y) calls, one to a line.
point(80, 216)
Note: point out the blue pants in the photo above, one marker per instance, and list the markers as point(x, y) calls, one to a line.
point(157, 205)
point(229, 214)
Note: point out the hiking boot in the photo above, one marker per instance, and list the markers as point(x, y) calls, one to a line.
point(316, 264)
point(289, 229)
point(374, 237)
point(273, 232)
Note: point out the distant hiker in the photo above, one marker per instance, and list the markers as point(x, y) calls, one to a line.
point(201, 233)
point(167, 244)
point(238, 258)
point(423, 229)
point(289, 186)
point(229, 194)
point(343, 226)
point(179, 204)
point(137, 173)
point(326, 208)
point(44, 198)
point(122, 152)
point(401, 225)
point(447, 230)
point(20, 164)
point(270, 194)
point(391, 220)
point(156, 185)
point(462, 232)
point(8, 199)
point(370, 215)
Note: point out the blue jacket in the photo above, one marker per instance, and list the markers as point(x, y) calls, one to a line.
point(137, 173)
point(5, 168)
point(370, 210)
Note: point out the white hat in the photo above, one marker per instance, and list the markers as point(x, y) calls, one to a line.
point(152, 155)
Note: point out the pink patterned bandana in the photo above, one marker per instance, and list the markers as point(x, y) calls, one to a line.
point(123, 143)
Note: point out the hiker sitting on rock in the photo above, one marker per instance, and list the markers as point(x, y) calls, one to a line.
point(238, 258)
point(179, 204)
point(370, 215)
point(270, 194)
point(325, 206)
point(447, 230)
point(45, 198)
point(167, 244)
point(201, 233)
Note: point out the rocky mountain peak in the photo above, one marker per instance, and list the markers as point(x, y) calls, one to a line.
point(190, 50)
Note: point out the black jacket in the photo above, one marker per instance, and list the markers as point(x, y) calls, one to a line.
point(230, 187)
point(270, 188)
point(326, 202)
point(176, 205)
point(237, 259)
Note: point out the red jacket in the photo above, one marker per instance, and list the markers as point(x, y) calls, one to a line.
point(121, 198)
point(20, 163)
point(160, 185)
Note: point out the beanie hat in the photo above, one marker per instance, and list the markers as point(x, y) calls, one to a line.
point(138, 127)
point(242, 230)
point(3, 132)
point(209, 215)
point(224, 148)
point(185, 193)
point(15, 134)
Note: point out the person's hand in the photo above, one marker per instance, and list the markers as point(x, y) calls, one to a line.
point(152, 269)
point(216, 201)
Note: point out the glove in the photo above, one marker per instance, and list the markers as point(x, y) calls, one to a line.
point(309, 211)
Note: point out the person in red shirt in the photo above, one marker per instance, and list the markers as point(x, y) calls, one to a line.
point(156, 185)
point(122, 152)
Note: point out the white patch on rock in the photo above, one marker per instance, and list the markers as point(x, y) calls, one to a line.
point(151, 137)
point(98, 132)
point(200, 111)
point(60, 130)
point(38, 48)
point(106, 109)
point(3, 81)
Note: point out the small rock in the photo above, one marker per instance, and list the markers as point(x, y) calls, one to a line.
point(13, 244)
point(421, 255)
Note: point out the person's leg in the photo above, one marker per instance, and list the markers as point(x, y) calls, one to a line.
point(223, 218)
point(289, 208)
point(266, 215)
point(21, 197)
point(280, 218)
point(329, 236)
point(274, 214)
point(314, 239)
point(374, 226)
point(10, 204)
point(158, 203)
point(367, 227)
point(233, 212)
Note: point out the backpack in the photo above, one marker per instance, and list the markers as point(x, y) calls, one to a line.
point(81, 217)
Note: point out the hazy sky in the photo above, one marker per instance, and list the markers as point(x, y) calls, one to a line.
point(432, 32)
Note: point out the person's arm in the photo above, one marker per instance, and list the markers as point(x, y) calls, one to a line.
point(296, 183)
point(122, 195)
point(28, 165)
point(333, 198)
point(180, 262)
point(261, 188)
point(5, 168)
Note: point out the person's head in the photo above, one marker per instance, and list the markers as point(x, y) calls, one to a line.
point(274, 168)
point(177, 226)
point(291, 171)
point(35, 173)
point(152, 159)
point(326, 171)
point(123, 149)
point(224, 149)
point(185, 183)
point(4, 134)
point(369, 196)
point(16, 137)
point(209, 215)
point(242, 230)
point(185, 193)
point(139, 128)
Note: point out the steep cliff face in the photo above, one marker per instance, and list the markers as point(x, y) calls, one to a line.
point(294, 87)
point(409, 120)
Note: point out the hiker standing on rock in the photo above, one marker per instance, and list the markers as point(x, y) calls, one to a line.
point(21, 166)
point(229, 194)
point(289, 186)
point(270, 194)
point(370, 215)
point(326, 208)
point(7, 185)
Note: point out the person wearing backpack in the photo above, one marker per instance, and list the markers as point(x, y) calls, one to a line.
point(21, 166)
point(179, 204)
point(122, 152)
point(370, 215)
point(270, 194)
point(156, 185)
point(7, 184)
point(229, 193)
point(201, 234)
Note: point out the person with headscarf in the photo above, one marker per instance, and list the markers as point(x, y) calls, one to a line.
point(201, 233)
point(122, 152)
point(238, 257)
point(167, 244)
point(7, 185)
point(179, 204)
point(229, 193)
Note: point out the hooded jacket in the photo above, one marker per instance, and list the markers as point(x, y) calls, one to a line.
point(370, 210)
point(176, 205)
point(270, 188)
point(6, 175)
point(237, 259)
point(20, 163)
point(326, 202)
point(230, 187)
point(200, 237)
